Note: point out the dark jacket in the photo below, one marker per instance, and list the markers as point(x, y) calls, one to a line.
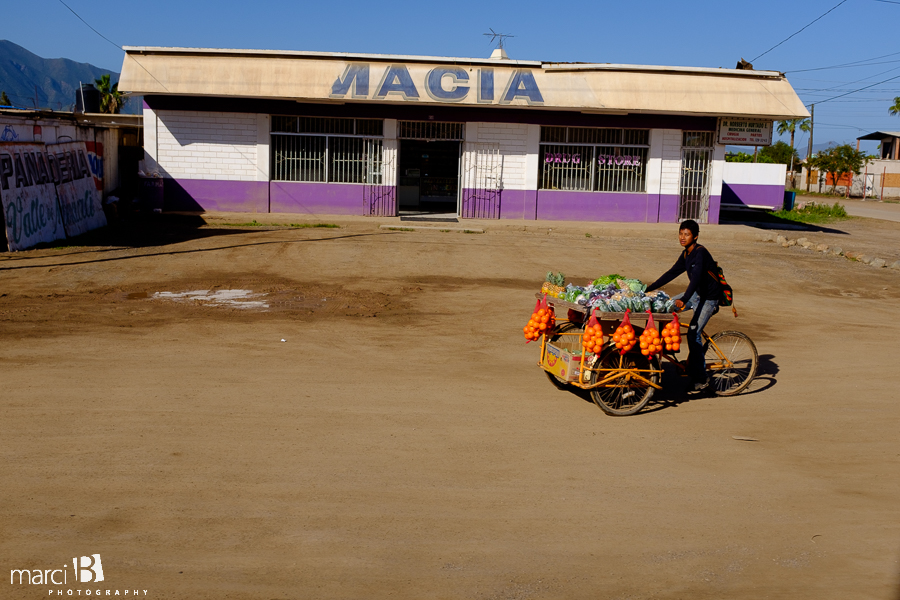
point(697, 265)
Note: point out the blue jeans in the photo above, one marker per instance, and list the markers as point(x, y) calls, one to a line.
point(703, 312)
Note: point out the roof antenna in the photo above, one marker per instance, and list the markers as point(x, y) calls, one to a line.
point(499, 52)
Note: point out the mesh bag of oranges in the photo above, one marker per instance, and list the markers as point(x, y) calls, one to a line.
point(624, 337)
point(671, 334)
point(542, 321)
point(592, 338)
point(650, 341)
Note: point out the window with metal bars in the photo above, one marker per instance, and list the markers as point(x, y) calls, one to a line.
point(697, 139)
point(305, 149)
point(430, 130)
point(593, 160)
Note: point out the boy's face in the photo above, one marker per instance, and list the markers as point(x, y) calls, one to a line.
point(686, 238)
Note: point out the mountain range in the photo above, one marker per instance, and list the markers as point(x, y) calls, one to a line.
point(25, 76)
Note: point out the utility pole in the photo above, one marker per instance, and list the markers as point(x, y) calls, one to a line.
point(812, 120)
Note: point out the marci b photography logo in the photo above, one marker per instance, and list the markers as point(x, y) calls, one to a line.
point(85, 569)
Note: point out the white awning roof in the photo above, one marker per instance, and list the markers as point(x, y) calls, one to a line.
point(396, 79)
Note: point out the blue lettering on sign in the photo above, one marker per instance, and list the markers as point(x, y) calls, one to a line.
point(522, 85)
point(485, 85)
point(442, 84)
point(96, 163)
point(396, 80)
point(456, 75)
point(356, 74)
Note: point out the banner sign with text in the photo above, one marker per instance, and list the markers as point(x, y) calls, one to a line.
point(742, 132)
point(28, 194)
point(47, 193)
point(80, 203)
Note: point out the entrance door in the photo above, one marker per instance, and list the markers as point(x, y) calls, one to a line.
point(481, 182)
point(696, 156)
point(428, 178)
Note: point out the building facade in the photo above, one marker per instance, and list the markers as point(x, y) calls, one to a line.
point(336, 134)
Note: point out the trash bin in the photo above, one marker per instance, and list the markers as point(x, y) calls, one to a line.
point(152, 194)
point(789, 198)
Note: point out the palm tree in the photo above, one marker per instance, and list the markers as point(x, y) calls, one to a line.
point(791, 126)
point(895, 108)
point(111, 99)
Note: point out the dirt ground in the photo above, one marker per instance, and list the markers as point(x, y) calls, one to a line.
point(370, 424)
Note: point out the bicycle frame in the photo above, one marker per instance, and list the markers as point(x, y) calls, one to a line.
point(627, 375)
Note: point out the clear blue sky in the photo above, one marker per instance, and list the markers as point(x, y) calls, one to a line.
point(703, 33)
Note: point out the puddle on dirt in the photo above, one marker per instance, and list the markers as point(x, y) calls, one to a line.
point(231, 298)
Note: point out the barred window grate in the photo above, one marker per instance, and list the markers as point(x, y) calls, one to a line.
point(595, 135)
point(594, 159)
point(327, 125)
point(430, 130)
point(697, 139)
point(298, 158)
point(327, 159)
point(355, 160)
point(566, 168)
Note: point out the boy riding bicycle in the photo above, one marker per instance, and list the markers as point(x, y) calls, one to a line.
point(702, 296)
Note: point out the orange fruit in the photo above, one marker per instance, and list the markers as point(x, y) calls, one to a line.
point(630, 335)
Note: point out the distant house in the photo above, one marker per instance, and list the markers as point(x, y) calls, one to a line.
point(890, 143)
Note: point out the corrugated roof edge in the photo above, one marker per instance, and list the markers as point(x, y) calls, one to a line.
point(658, 69)
point(325, 55)
point(877, 135)
point(549, 66)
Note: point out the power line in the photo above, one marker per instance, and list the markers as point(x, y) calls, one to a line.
point(114, 44)
point(793, 34)
point(858, 63)
point(859, 90)
point(91, 28)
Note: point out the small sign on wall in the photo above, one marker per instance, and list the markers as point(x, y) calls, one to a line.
point(744, 132)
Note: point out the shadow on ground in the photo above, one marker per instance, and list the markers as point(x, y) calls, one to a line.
point(760, 219)
point(674, 392)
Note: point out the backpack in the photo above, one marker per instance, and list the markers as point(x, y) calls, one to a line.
point(727, 298)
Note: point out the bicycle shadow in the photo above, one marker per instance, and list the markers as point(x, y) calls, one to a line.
point(675, 391)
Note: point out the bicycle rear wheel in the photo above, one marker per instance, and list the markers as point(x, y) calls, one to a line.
point(572, 343)
point(731, 362)
point(624, 395)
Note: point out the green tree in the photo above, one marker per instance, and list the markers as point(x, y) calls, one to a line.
point(895, 108)
point(748, 158)
point(111, 99)
point(779, 153)
point(4, 99)
point(791, 125)
point(839, 161)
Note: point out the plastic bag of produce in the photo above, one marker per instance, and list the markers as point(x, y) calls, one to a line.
point(635, 285)
point(607, 279)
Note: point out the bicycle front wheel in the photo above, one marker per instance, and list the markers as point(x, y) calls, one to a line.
point(731, 362)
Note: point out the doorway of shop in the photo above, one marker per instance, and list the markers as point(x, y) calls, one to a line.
point(428, 174)
point(429, 177)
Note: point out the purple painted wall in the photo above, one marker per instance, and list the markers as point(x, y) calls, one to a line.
point(318, 198)
point(747, 194)
point(668, 208)
point(714, 203)
point(555, 205)
point(205, 194)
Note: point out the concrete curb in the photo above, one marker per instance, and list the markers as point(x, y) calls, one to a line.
point(785, 242)
point(409, 227)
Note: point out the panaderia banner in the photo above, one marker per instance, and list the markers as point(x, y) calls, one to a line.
point(48, 193)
